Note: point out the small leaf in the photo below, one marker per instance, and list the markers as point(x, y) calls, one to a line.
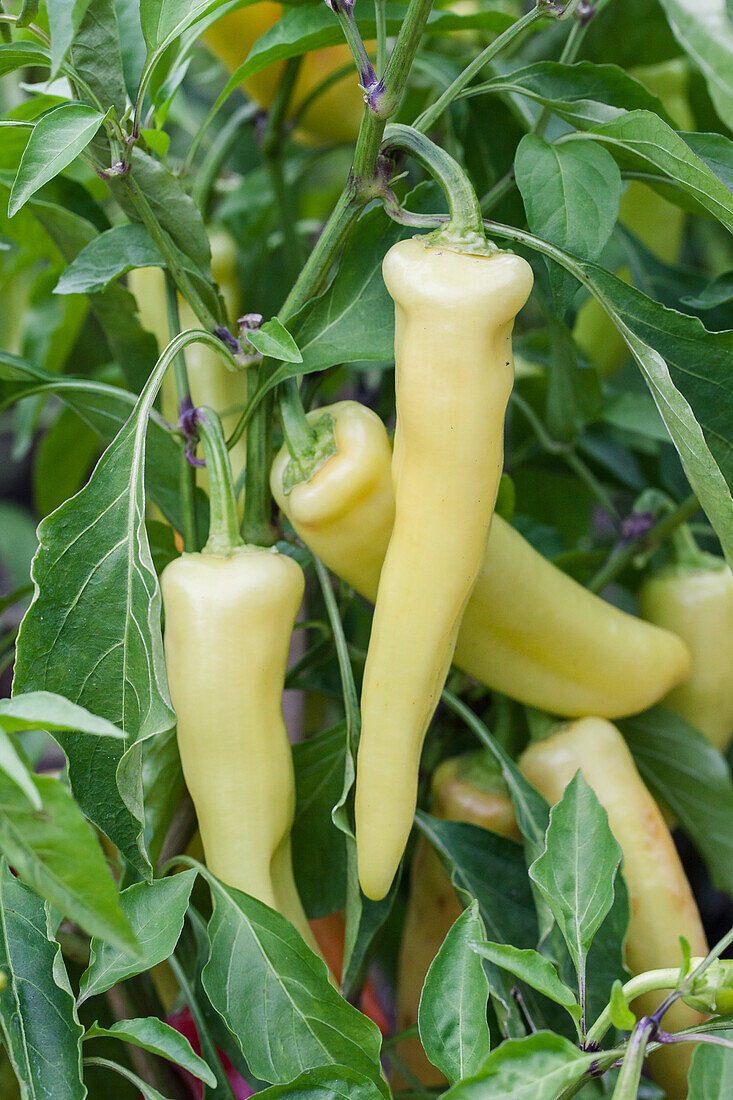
point(159, 1038)
point(155, 912)
point(576, 872)
point(15, 769)
point(43, 710)
point(56, 140)
point(532, 968)
point(274, 340)
point(452, 1013)
point(621, 1015)
point(539, 1067)
point(572, 198)
point(106, 257)
point(325, 1083)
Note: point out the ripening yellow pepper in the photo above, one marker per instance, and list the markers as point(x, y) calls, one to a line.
point(333, 116)
point(661, 901)
point(528, 631)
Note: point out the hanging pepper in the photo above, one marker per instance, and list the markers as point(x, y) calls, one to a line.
point(694, 597)
point(661, 901)
point(465, 788)
point(229, 615)
point(453, 360)
point(529, 631)
point(212, 384)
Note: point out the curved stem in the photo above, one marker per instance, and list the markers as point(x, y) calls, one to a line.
point(649, 982)
point(431, 115)
point(627, 1085)
point(299, 436)
point(464, 228)
point(224, 521)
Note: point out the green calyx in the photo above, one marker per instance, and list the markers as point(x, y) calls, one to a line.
point(320, 448)
point(480, 769)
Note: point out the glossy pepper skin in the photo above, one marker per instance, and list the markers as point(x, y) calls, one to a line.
point(211, 382)
point(228, 622)
point(333, 116)
point(528, 631)
point(464, 788)
point(661, 901)
point(696, 601)
point(454, 314)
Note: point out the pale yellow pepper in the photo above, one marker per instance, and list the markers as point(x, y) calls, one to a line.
point(229, 616)
point(661, 901)
point(454, 315)
point(694, 598)
point(529, 630)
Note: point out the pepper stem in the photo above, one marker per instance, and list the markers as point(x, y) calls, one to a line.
point(686, 552)
point(464, 230)
point(224, 533)
point(309, 445)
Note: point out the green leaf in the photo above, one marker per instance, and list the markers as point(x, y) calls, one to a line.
point(37, 1012)
point(44, 710)
point(685, 771)
point(56, 852)
point(93, 565)
point(532, 968)
point(56, 140)
point(147, 1091)
point(174, 208)
point(621, 1015)
point(576, 872)
point(155, 912)
point(325, 1083)
point(572, 197)
point(164, 20)
point(274, 994)
point(705, 33)
point(15, 768)
point(711, 1072)
point(106, 257)
point(539, 1067)
point(452, 1015)
point(641, 140)
point(583, 94)
point(18, 55)
point(319, 848)
point(96, 57)
point(115, 309)
point(274, 340)
point(159, 1038)
point(64, 19)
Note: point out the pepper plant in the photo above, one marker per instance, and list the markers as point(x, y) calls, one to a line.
point(314, 316)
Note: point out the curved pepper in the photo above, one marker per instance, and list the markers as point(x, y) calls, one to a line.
point(229, 615)
point(464, 788)
point(334, 116)
point(211, 382)
point(453, 375)
point(695, 599)
point(528, 631)
point(662, 905)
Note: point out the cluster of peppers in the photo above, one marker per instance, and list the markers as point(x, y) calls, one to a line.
point(411, 528)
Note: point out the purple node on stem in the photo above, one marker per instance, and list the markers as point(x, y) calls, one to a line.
point(635, 526)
